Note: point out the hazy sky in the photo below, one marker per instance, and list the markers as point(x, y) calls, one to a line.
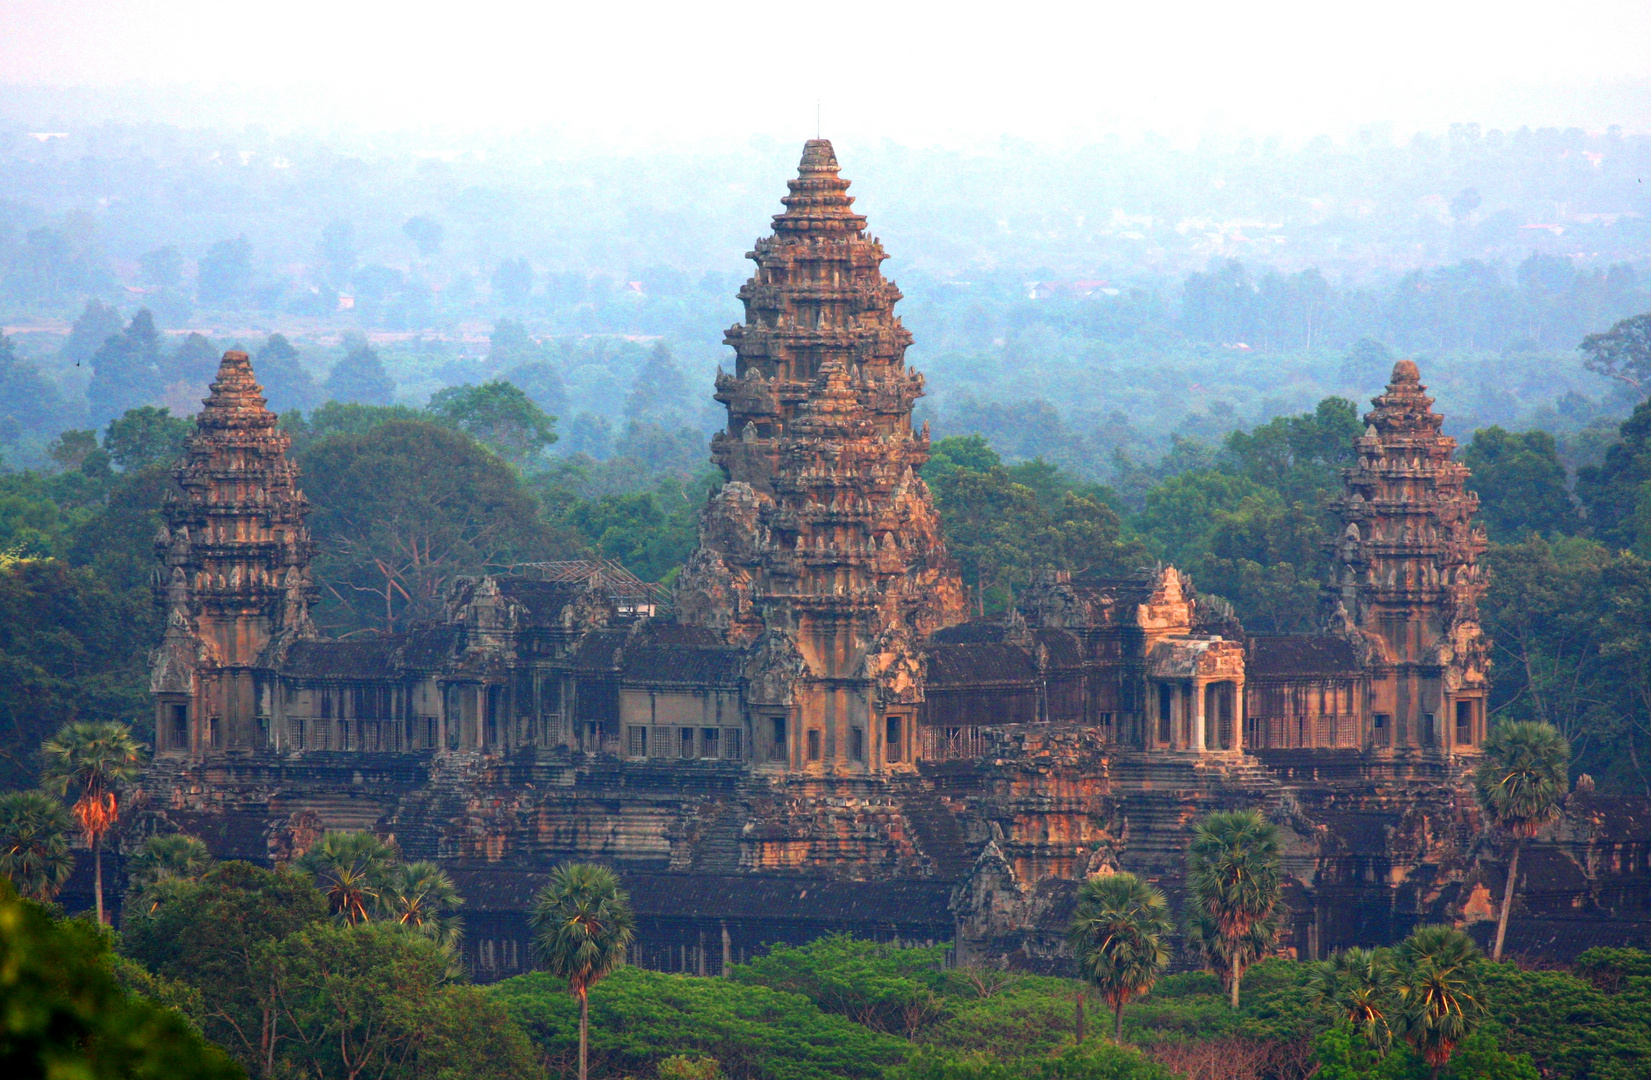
point(915, 72)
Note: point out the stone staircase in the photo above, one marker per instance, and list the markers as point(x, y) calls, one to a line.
point(938, 835)
point(717, 850)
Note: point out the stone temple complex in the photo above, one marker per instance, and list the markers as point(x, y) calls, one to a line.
point(811, 734)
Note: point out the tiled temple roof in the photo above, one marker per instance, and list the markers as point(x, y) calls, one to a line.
point(341, 659)
point(979, 664)
point(1278, 655)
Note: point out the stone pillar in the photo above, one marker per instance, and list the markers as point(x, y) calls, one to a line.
point(1198, 719)
point(727, 951)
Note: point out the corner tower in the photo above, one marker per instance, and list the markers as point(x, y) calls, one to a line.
point(234, 575)
point(823, 551)
point(1406, 579)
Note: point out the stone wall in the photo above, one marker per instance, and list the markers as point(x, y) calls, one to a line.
point(994, 848)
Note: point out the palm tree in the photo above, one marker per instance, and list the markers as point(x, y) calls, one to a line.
point(1234, 880)
point(34, 843)
point(1118, 933)
point(1225, 955)
point(1438, 992)
point(164, 862)
point(420, 895)
point(93, 758)
point(1356, 985)
point(349, 868)
point(582, 924)
point(1520, 780)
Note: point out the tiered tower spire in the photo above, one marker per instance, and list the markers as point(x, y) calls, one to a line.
point(1406, 579)
point(234, 574)
point(823, 549)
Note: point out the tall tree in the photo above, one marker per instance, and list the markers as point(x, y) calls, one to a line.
point(161, 864)
point(425, 232)
point(1356, 986)
point(1520, 482)
point(126, 370)
point(660, 392)
point(63, 1012)
point(1519, 781)
point(403, 509)
point(97, 323)
point(350, 869)
point(512, 283)
point(1617, 491)
point(361, 377)
point(420, 895)
point(222, 936)
point(146, 436)
point(582, 925)
point(1119, 932)
point(94, 759)
point(336, 253)
point(224, 274)
point(1622, 353)
point(1234, 880)
point(194, 363)
point(286, 382)
point(34, 843)
point(1438, 991)
point(29, 401)
point(499, 415)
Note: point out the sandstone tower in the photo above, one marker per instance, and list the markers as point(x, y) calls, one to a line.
point(823, 550)
point(234, 573)
point(1406, 581)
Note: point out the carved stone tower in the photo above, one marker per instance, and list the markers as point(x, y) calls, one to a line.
point(823, 551)
point(234, 573)
point(1406, 580)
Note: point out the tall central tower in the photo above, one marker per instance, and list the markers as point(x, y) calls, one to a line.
point(823, 552)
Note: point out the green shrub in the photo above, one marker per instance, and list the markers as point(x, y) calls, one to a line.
point(1093, 1060)
point(1343, 1055)
point(639, 1018)
point(885, 987)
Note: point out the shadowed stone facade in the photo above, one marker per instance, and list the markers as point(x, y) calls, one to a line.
point(812, 735)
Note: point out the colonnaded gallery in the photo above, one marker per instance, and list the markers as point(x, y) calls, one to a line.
point(811, 733)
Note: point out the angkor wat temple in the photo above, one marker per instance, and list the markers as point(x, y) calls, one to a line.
point(813, 733)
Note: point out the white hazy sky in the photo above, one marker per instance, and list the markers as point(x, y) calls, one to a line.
point(916, 72)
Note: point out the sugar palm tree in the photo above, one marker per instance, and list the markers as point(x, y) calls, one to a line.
point(1224, 955)
point(1234, 881)
point(34, 843)
point(162, 863)
point(1356, 986)
point(420, 895)
point(582, 925)
point(93, 759)
point(1436, 986)
point(1118, 932)
point(1520, 780)
point(350, 869)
